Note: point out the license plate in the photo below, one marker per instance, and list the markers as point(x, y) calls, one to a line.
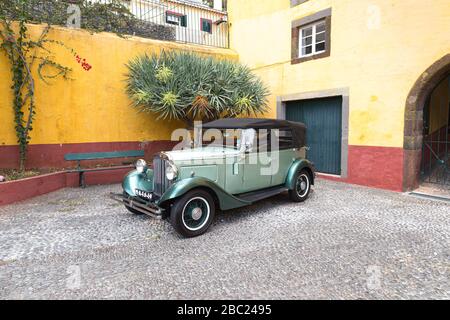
point(144, 194)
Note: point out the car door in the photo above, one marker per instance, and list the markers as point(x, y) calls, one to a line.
point(250, 169)
point(282, 156)
point(234, 174)
point(257, 171)
point(257, 174)
point(281, 163)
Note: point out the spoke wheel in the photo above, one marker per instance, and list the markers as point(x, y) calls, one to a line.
point(195, 213)
point(192, 214)
point(302, 187)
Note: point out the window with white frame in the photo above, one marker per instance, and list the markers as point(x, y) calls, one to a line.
point(312, 39)
point(176, 18)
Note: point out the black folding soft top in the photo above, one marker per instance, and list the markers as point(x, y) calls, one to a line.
point(298, 129)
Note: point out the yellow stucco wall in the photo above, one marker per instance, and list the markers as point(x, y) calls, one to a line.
point(378, 50)
point(93, 107)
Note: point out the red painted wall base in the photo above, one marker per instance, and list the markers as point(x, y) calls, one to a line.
point(378, 167)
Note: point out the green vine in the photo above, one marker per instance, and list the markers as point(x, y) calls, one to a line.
point(26, 54)
point(23, 54)
point(109, 16)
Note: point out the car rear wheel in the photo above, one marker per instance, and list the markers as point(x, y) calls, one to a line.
point(192, 214)
point(302, 186)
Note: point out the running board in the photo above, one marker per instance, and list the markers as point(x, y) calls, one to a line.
point(262, 194)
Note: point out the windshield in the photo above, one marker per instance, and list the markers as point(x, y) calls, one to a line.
point(220, 138)
point(239, 139)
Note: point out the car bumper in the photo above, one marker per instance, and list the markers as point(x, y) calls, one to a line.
point(148, 208)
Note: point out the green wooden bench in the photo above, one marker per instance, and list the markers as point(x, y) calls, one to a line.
point(78, 157)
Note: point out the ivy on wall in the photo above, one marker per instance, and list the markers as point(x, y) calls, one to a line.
point(26, 54)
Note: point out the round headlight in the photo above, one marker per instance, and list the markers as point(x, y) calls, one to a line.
point(141, 166)
point(171, 172)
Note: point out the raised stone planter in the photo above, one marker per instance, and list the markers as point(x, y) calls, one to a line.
point(18, 190)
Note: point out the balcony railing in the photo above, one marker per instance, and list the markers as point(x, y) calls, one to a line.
point(190, 21)
point(185, 21)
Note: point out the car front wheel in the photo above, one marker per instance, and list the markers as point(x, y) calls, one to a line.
point(192, 214)
point(302, 187)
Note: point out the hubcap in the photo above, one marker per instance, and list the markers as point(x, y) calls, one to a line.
point(196, 213)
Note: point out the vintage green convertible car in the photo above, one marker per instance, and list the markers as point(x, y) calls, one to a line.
point(239, 161)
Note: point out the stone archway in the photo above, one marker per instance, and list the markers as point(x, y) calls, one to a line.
point(413, 135)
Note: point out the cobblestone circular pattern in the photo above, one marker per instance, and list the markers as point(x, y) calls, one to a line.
point(345, 242)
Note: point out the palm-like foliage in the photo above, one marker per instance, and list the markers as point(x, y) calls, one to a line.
point(186, 86)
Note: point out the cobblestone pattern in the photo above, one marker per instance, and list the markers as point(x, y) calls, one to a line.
point(345, 242)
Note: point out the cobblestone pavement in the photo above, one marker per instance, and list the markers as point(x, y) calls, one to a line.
point(345, 242)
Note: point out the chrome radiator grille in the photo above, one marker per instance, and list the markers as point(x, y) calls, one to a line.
point(160, 182)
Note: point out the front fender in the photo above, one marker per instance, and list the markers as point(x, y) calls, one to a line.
point(297, 166)
point(226, 201)
point(135, 180)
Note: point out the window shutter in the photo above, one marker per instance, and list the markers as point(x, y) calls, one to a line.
point(183, 21)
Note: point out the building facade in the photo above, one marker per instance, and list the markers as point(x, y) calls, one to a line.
point(193, 20)
point(369, 78)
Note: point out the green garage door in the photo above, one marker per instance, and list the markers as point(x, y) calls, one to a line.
point(323, 117)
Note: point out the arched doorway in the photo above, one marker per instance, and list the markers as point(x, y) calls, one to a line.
point(426, 147)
